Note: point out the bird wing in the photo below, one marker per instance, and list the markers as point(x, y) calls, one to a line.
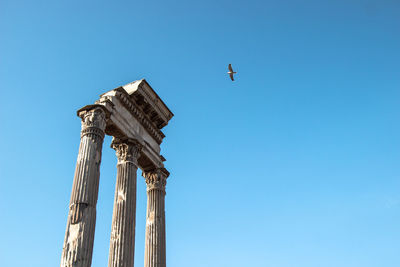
point(230, 67)
point(231, 75)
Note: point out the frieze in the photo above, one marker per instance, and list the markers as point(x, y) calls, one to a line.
point(139, 114)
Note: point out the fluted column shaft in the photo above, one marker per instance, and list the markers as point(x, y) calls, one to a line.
point(79, 235)
point(122, 243)
point(155, 218)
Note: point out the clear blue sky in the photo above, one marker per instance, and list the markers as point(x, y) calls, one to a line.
point(295, 164)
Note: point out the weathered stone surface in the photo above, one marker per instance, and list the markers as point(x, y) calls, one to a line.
point(134, 115)
point(79, 236)
point(122, 242)
point(155, 255)
point(138, 113)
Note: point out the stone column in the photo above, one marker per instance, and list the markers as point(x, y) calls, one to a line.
point(79, 236)
point(155, 219)
point(122, 243)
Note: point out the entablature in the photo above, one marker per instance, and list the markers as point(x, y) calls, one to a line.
point(137, 112)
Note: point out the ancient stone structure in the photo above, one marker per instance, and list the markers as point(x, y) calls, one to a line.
point(134, 115)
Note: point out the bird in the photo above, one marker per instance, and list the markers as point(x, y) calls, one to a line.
point(231, 72)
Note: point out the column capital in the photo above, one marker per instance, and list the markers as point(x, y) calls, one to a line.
point(127, 150)
point(80, 112)
point(94, 119)
point(156, 179)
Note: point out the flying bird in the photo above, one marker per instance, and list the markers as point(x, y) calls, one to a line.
point(231, 72)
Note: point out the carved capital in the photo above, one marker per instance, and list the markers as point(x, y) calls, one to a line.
point(93, 121)
point(126, 150)
point(156, 179)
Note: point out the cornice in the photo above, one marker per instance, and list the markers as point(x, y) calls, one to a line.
point(151, 95)
point(138, 113)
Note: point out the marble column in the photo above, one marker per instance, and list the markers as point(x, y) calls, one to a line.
point(79, 236)
point(122, 243)
point(155, 218)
